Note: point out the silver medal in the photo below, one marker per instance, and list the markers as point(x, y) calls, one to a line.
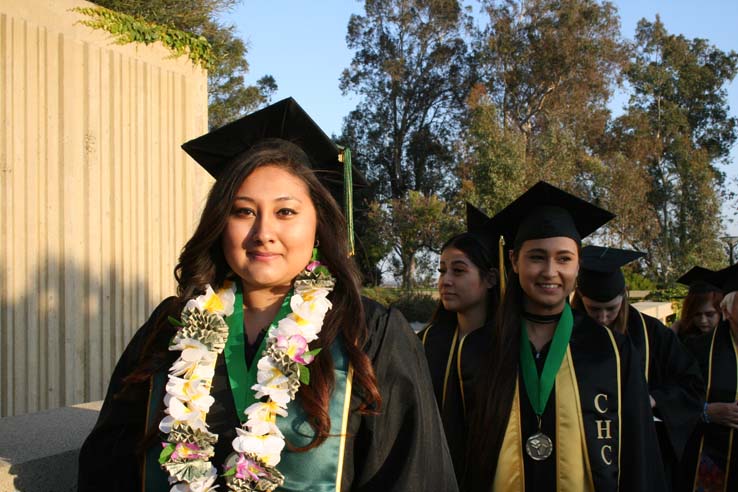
point(539, 446)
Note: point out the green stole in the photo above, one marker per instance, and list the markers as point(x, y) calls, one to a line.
point(319, 469)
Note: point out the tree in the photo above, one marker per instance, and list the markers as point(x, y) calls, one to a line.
point(545, 72)
point(548, 61)
point(677, 131)
point(492, 171)
point(409, 68)
point(409, 226)
point(549, 68)
point(229, 96)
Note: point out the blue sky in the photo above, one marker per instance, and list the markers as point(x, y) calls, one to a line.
point(302, 44)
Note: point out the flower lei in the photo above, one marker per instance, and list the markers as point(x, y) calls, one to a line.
point(202, 334)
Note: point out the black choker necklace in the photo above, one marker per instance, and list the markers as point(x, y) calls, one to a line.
point(541, 319)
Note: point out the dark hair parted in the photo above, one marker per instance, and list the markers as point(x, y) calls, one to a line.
point(202, 262)
point(481, 257)
point(692, 303)
point(620, 324)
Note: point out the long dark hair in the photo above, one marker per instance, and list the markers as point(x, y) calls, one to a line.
point(202, 262)
point(481, 257)
point(493, 392)
point(620, 324)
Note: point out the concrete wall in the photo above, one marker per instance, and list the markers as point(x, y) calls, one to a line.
point(659, 310)
point(96, 197)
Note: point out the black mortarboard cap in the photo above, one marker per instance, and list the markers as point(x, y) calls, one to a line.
point(700, 280)
point(600, 277)
point(727, 279)
point(479, 224)
point(476, 220)
point(546, 211)
point(284, 119)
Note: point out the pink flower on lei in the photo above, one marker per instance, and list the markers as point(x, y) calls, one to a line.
point(248, 469)
point(295, 347)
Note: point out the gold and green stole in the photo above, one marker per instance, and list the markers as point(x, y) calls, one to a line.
point(588, 408)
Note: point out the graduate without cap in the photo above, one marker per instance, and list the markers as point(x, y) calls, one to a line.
point(711, 460)
point(285, 377)
point(701, 307)
point(563, 404)
point(674, 379)
point(457, 339)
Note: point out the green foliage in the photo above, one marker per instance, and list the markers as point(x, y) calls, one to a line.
point(546, 70)
point(129, 29)
point(416, 306)
point(411, 225)
point(529, 102)
point(383, 295)
point(409, 68)
point(229, 95)
point(669, 294)
point(636, 281)
point(492, 174)
point(675, 132)
point(166, 453)
point(549, 67)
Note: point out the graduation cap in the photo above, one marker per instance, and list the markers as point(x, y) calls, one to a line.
point(727, 279)
point(477, 222)
point(285, 120)
point(700, 280)
point(546, 211)
point(600, 277)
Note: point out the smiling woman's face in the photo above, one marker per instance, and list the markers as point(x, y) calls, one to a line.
point(271, 229)
point(547, 269)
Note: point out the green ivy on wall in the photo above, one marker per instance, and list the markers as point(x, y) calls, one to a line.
point(128, 29)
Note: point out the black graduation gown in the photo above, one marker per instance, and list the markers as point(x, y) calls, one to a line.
point(454, 362)
point(710, 445)
point(674, 382)
point(401, 449)
point(640, 462)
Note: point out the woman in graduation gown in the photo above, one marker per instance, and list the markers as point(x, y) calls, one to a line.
point(268, 370)
point(711, 461)
point(457, 339)
point(674, 380)
point(701, 307)
point(563, 404)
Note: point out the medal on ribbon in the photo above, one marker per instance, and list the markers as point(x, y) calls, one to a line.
point(539, 446)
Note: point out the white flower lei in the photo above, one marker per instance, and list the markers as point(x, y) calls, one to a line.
point(201, 336)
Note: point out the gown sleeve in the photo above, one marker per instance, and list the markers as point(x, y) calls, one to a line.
point(403, 448)
point(676, 384)
point(109, 458)
point(641, 468)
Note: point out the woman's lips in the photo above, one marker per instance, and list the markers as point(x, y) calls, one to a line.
point(548, 287)
point(262, 256)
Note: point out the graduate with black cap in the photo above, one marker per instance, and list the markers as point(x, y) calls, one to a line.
point(563, 404)
point(457, 339)
point(711, 460)
point(701, 306)
point(281, 376)
point(674, 380)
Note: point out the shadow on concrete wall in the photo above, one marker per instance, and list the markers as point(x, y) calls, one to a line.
point(70, 319)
